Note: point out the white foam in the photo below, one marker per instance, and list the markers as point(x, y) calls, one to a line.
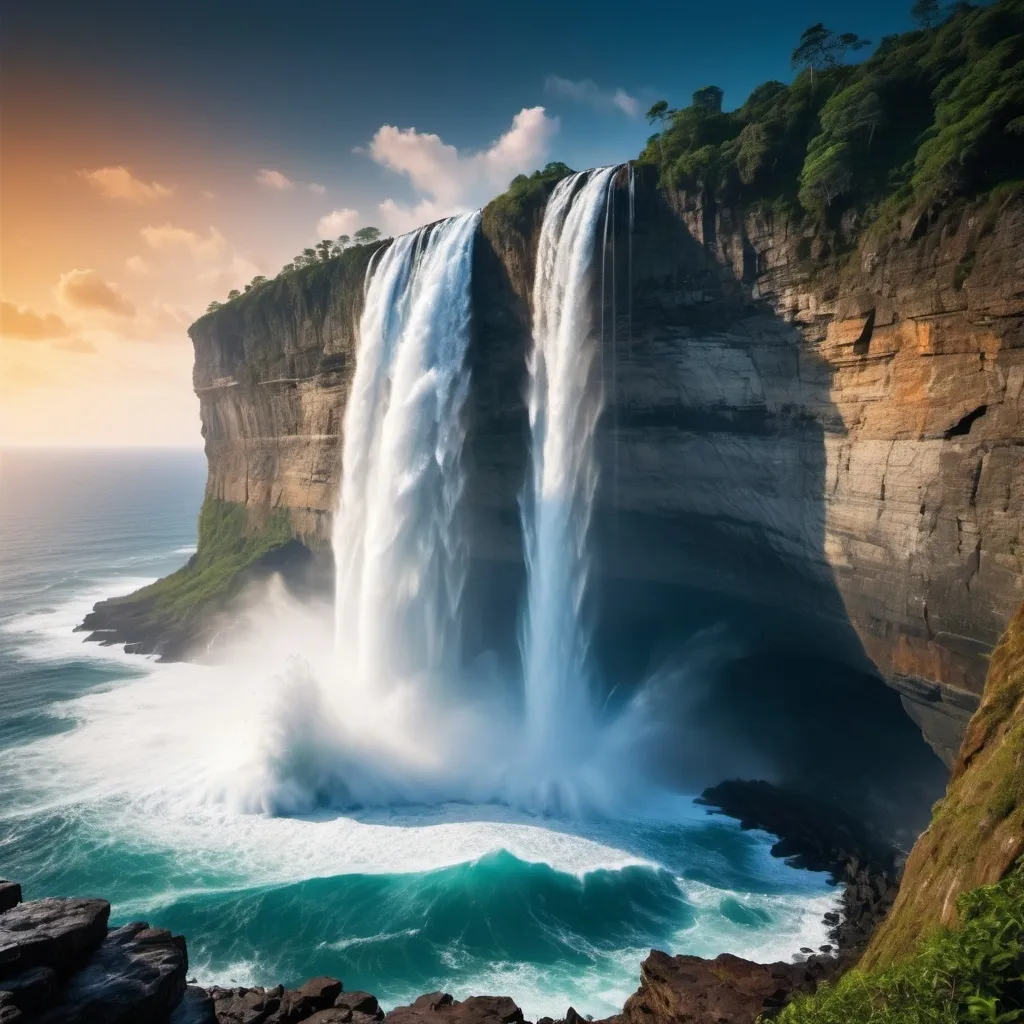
point(370, 940)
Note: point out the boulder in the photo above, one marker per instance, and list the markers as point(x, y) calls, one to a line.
point(56, 933)
point(440, 1008)
point(690, 990)
point(136, 976)
point(10, 894)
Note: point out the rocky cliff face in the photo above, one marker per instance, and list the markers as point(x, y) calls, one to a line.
point(834, 434)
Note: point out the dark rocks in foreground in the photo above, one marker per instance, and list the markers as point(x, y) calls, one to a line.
point(728, 988)
point(818, 836)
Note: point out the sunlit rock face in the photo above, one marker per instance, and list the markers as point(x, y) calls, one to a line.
point(836, 440)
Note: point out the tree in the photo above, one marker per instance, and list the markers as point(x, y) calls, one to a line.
point(233, 294)
point(710, 98)
point(821, 48)
point(344, 241)
point(215, 305)
point(856, 109)
point(257, 281)
point(366, 235)
point(308, 257)
point(658, 112)
point(323, 249)
point(826, 174)
point(927, 13)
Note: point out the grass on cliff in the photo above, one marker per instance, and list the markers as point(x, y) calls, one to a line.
point(977, 829)
point(227, 545)
point(973, 973)
point(931, 114)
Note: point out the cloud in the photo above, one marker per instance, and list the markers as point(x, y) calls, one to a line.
point(203, 247)
point(453, 181)
point(208, 194)
point(338, 222)
point(137, 265)
point(274, 179)
point(398, 218)
point(220, 264)
point(316, 189)
point(588, 91)
point(85, 289)
point(77, 345)
point(120, 183)
point(27, 325)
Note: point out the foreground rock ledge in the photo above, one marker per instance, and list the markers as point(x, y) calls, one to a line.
point(60, 964)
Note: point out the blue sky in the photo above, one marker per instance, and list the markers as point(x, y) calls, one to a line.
point(158, 154)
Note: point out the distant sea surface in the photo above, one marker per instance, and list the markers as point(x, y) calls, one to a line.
point(107, 788)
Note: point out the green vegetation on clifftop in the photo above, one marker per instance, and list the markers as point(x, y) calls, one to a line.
point(931, 114)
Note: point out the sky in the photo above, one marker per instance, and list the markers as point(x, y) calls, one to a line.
point(155, 155)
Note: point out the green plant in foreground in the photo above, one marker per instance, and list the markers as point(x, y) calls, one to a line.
point(973, 973)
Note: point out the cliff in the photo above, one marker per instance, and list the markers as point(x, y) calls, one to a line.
point(977, 830)
point(836, 435)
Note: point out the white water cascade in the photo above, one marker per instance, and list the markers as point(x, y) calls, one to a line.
point(400, 557)
point(565, 401)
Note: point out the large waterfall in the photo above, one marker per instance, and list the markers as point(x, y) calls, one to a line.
point(565, 399)
point(399, 551)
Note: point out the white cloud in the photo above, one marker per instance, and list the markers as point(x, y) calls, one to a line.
point(137, 265)
point(274, 179)
point(397, 218)
point(338, 222)
point(120, 183)
point(450, 181)
point(208, 194)
point(203, 247)
point(220, 264)
point(85, 289)
point(588, 91)
point(316, 188)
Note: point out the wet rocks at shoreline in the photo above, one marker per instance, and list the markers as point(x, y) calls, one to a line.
point(818, 836)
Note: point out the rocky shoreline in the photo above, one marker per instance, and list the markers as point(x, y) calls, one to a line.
point(60, 964)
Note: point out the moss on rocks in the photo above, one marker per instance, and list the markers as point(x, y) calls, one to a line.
point(175, 612)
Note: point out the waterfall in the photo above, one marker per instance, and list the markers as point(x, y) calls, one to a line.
point(400, 557)
point(565, 400)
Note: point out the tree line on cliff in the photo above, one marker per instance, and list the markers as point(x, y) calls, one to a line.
point(932, 113)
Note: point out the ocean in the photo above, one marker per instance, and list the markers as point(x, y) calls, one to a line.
point(119, 778)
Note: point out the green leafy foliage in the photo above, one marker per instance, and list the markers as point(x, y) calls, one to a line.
point(527, 193)
point(974, 973)
point(931, 114)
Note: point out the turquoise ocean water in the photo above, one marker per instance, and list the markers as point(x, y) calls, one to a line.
point(112, 772)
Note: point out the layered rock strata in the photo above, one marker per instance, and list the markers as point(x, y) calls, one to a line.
point(826, 425)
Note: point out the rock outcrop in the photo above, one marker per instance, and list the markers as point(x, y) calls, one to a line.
point(835, 436)
point(689, 990)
